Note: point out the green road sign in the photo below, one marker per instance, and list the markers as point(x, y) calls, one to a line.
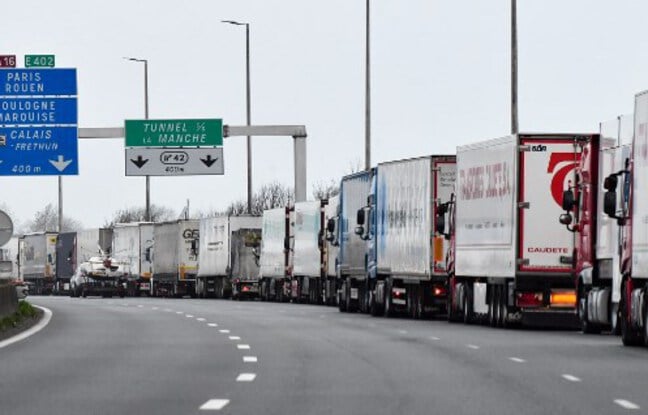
point(39, 61)
point(174, 133)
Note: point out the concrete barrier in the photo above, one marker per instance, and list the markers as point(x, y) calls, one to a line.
point(8, 300)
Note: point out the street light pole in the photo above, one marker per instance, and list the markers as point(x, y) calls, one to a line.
point(367, 93)
point(248, 108)
point(147, 217)
point(514, 69)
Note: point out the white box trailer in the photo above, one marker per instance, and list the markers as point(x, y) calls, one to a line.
point(512, 258)
point(221, 254)
point(175, 257)
point(331, 250)
point(276, 258)
point(9, 258)
point(93, 243)
point(406, 260)
point(37, 261)
point(309, 252)
point(131, 249)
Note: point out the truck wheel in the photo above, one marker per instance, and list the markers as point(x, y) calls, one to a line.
point(491, 306)
point(645, 325)
point(389, 306)
point(583, 315)
point(467, 301)
point(503, 314)
point(629, 336)
point(614, 319)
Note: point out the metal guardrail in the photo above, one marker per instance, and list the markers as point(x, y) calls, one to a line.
point(8, 300)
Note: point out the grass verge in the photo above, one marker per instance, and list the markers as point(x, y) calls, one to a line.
point(25, 311)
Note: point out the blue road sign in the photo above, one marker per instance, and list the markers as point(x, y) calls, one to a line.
point(37, 82)
point(28, 151)
point(38, 122)
point(38, 111)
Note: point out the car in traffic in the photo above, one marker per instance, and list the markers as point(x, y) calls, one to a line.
point(98, 276)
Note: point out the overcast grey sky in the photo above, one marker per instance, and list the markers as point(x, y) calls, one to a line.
point(440, 78)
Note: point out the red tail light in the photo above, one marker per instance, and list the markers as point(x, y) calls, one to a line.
point(529, 299)
point(246, 288)
point(398, 294)
point(439, 291)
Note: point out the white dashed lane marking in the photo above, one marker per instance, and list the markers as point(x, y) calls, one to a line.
point(212, 324)
point(249, 359)
point(234, 338)
point(626, 404)
point(246, 377)
point(435, 338)
point(571, 378)
point(179, 312)
point(224, 331)
point(243, 346)
point(214, 405)
point(517, 360)
point(189, 315)
point(200, 319)
point(472, 346)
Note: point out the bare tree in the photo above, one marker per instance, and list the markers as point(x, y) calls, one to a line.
point(138, 214)
point(46, 219)
point(323, 190)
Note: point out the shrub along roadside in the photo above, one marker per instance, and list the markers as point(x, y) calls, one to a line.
point(25, 311)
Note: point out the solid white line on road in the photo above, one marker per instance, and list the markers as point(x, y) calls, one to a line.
point(472, 346)
point(626, 404)
point(201, 319)
point(517, 360)
point(212, 324)
point(47, 316)
point(214, 404)
point(189, 315)
point(243, 346)
point(435, 338)
point(234, 338)
point(224, 331)
point(571, 378)
point(246, 377)
point(250, 359)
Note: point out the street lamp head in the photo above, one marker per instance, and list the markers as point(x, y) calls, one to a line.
point(134, 59)
point(234, 22)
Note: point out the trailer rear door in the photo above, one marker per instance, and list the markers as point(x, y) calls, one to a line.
point(547, 165)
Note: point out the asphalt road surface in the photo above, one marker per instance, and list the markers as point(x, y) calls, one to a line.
point(166, 356)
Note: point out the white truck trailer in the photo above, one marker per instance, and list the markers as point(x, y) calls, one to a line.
point(131, 246)
point(309, 265)
point(9, 260)
point(405, 258)
point(175, 258)
point(37, 261)
point(276, 254)
point(227, 259)
point(512, 258)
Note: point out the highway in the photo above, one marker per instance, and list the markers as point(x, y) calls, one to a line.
point(169, 356)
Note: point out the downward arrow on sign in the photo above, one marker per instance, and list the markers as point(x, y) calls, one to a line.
point(140, 162)
point(61, 163)
point(209, 160)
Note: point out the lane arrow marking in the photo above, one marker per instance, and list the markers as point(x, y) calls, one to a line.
point(61, 163)
point(140, 162)
point(209, 160)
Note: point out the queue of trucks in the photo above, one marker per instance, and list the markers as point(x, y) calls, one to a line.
point(546, 229)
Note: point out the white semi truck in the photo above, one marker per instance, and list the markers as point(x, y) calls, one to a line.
point(276, 254)
point(309, 266)
point(228, 262)
point(511, 260)
point(175, 258)
point(37, 257)
point(131, 249)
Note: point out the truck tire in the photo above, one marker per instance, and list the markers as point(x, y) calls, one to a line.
point(587, 327)
point(467, 302)
point(492, 304)
point(629, 335)
point(389, 306)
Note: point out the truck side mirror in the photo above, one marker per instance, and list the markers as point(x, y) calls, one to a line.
point(330, 225)
point(609, 203)
point(359, 230)
point(610, 182)
point(287, 243)
point(568, 201)
point(194, 246)
point(566, 219)
point(147, 254)
point(360, 217)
